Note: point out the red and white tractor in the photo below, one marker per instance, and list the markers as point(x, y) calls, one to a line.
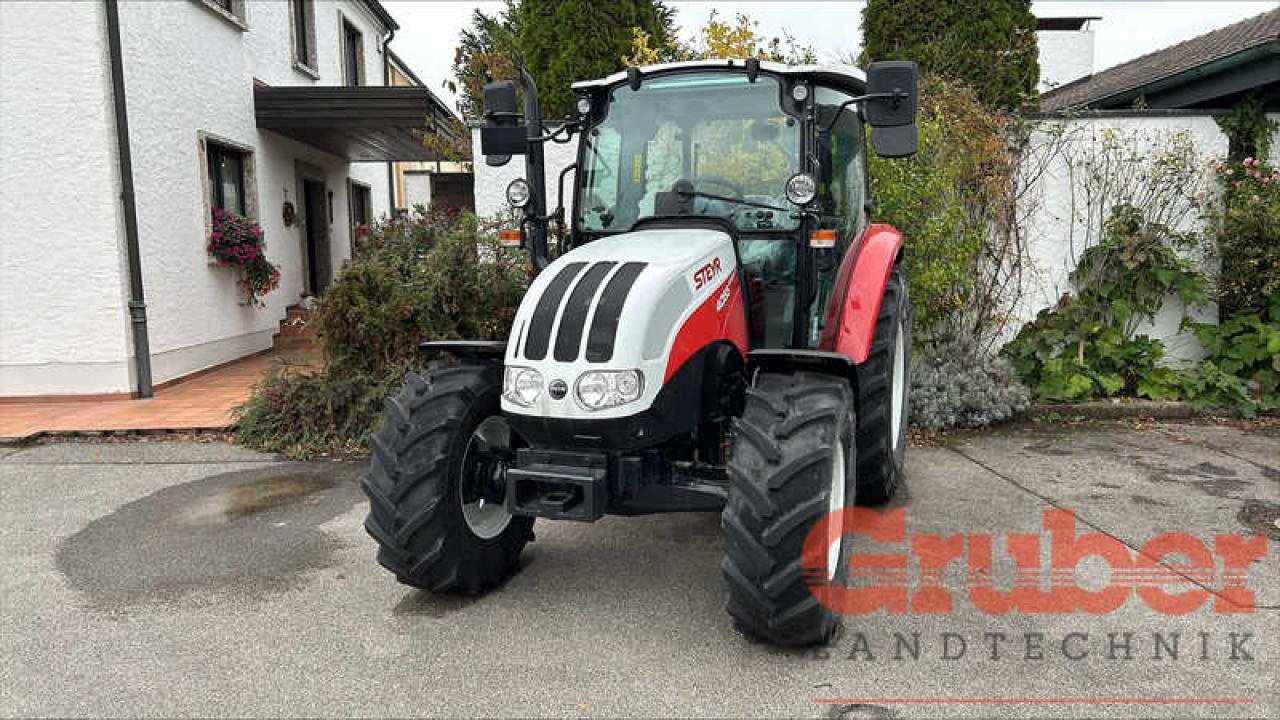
point(723, 329)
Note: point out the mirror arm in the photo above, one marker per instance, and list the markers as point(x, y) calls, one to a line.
point(897, 96)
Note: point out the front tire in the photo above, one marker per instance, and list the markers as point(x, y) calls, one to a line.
point(884, 382)
point(434, 483)
point(792, 463)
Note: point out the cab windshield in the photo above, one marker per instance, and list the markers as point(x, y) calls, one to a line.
point(706, 144)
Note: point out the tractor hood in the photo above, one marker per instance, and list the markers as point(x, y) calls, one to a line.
point(621, 303)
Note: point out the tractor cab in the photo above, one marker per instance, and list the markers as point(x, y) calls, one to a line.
point(722, 328)
point(776, 153)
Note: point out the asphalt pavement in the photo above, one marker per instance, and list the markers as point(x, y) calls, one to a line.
point(198, 579)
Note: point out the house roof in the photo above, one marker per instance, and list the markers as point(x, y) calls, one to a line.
point(370, 123)
point(409, 73)
point(383, 16)
point(1256, 39)
point(1064, 23)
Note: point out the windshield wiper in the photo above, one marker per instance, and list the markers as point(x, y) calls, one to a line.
point(726, 198)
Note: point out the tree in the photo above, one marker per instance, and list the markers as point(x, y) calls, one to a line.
point(557, 41)
point(563, 41)
point(719, 39)
point(486, 51)
point(988, 44)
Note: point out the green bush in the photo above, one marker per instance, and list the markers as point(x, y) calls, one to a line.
point(425, 277)
point(952, 201)
point(1085, 347)
point(1242, 368)
point(304, 415)
point(1245, 226)
point(989, 44)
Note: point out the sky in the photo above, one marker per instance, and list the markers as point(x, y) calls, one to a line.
point(1128, 28)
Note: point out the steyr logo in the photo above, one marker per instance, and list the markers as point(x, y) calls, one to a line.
point(706, 274)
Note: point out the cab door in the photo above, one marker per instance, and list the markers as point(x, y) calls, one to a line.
point(842, 199)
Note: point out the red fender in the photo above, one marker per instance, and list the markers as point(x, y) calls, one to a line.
point(850, 322)
point(722, 316)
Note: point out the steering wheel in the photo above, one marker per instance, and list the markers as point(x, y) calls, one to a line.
point(732, 187)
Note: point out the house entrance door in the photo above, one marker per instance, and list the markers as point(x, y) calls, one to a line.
point(317, 236)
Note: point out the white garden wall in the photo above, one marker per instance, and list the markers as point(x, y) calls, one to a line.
point(1057, 216)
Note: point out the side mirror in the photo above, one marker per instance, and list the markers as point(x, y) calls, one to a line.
point(893, 119)
point(501, 135)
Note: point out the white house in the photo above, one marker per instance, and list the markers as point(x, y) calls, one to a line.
point(123, 124)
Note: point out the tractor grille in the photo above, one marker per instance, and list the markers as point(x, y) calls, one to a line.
point(574, 311)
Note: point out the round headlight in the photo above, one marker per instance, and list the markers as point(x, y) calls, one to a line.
point(801, 189)
point(521, 386)
point(628, 385)
point(592, 390)
point(600, 389)
point(584, 106)
point(799, 92)
point(518, 192)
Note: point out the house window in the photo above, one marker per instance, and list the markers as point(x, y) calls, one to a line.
point(352, 55)
point(226, 178)
point(302, 14)
point(232, 11)
point(361, 204)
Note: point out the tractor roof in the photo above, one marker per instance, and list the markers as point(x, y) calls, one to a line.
point(842, 77)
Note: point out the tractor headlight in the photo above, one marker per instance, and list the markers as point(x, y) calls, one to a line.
point(602, 389)
point(518, 192)
point(802, 188)
point(521, 385)
point(584, 106)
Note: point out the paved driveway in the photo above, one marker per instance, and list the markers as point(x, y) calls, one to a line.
point(201, 579)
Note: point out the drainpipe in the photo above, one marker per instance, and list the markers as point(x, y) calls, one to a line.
point(386, 80)
point(137, 303)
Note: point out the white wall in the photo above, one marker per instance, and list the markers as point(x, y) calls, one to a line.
point(491, 182)
point(1064, 55)
point(64, 324)
point(1057, 222)
point(63, 289)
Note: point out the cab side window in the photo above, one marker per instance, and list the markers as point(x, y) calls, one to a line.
point(842, 193)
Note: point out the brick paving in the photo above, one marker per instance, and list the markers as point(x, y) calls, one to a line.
point(203, 402)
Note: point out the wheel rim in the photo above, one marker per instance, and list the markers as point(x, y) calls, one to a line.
point(835, 522)
point(899, 395)
point(484, 463)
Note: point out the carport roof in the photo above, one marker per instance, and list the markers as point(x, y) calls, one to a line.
point(362, 124)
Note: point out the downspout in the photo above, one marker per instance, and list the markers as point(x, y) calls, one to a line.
point(137, 302)
point(386, 81)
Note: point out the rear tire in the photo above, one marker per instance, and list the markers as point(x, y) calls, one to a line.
point(794, 438)
point(416, 490)
point(884, 381)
